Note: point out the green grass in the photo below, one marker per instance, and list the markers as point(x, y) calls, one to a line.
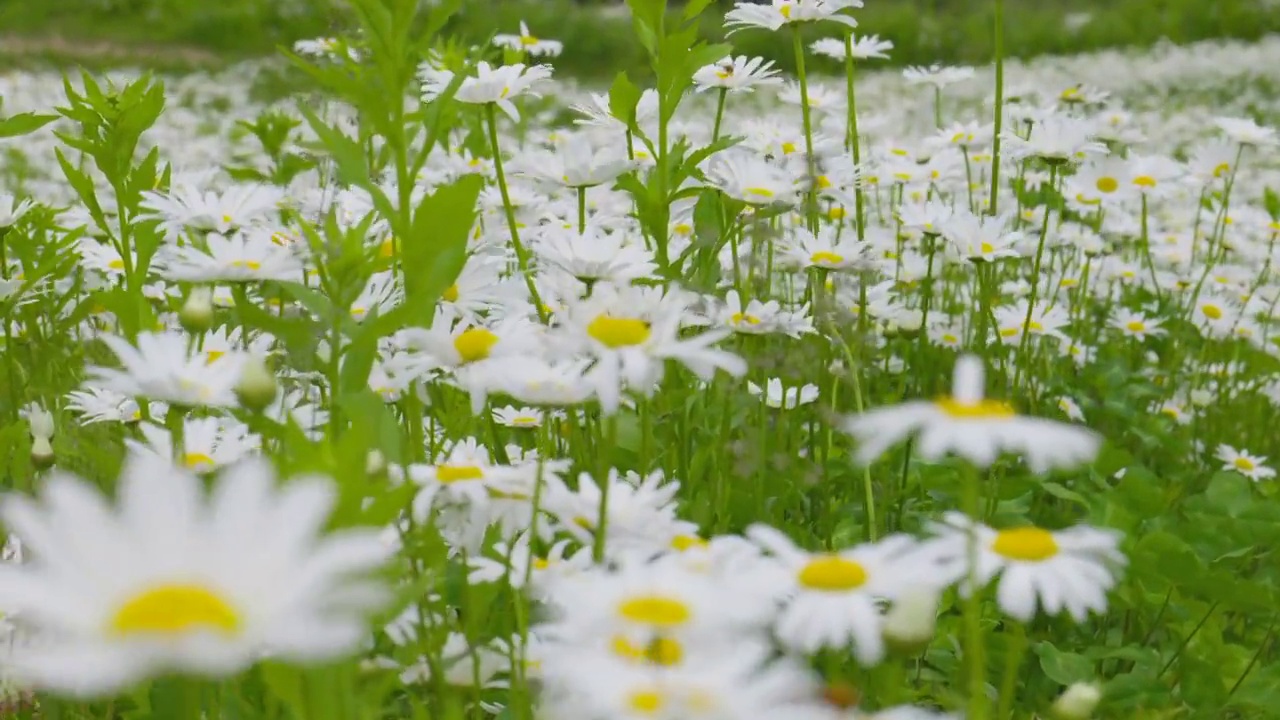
point(598, 45)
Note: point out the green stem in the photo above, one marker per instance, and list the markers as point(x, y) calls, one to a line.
point(720, 102)
point(522, 255)
point(999, 120)
point(974, 649)
point(175, 422)
point(807, 119)
point(855, 141)
point(1035, 275)
point(1014, 653)
point(602, 523)
point(582, 209)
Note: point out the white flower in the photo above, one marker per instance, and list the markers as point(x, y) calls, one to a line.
point(776, 13)
point(498, 85)
point(162, 368)
point(1242, 461)
point(832, 598)
point(527, 42)
point(975, 428)
point(791, 398)
point(740, 74)
point(170, 581)
point(1060, 570)
point(242, 257)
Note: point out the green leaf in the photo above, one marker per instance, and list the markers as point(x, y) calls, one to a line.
point(285, 683)
point(1271, 201)
point(624, 96)
point(435, 251)
point(1058, 491)
point(1064, 668)
point(24, 124)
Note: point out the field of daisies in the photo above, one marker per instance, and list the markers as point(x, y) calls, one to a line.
point(448, 389)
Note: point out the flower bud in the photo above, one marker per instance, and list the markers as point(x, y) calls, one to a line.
point(196, 315)
point(257, 387)
point(1077, 702)
point(911, 621)
point(41, 452)
point(39, 420)
point(375, 463)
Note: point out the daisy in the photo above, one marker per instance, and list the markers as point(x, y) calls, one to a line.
point(594, 255)
point(791, 398)
point(1242, 461)
point(169, 580)
point(242, 257)
point(208, 444)
point(831, 599)
point(1069, 570)
point(937, 76)
point(1059, 139)
point(973, 427)
point(161, 367)
point(865, 47)
point(527, 42)
point(1135, 324)
point(981, 238)
point(1071, 409)
point(640, 513)
point(523, 418)
point(774, 14)
point(827, 250)
point(1246, 132)
point(95, 405)
point(489, 86)
point(463, 472)
point(740, 74)
point(631, 343)
point(750, 179)
point(12, 210)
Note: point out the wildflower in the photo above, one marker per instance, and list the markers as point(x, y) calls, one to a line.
point(145, 588)
point(527, 42)
point(789, 399)
point(1242, 461)
point(776, 13)
point(831, 597)
point(497, 86)
point(1077, 702)
point(160, 367)
point(740, 74)
point(1060, 570)
point(865, 47)
point(971, 426)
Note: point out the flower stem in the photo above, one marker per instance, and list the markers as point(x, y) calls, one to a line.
point(855, 142)
point(715, 131)
point(974, 649)
point(522, 255)
point(807, 119)
point(1033, 295)
point(994, 200)
point(1014, 652)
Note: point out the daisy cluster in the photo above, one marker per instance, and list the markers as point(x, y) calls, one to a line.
point(485, 394)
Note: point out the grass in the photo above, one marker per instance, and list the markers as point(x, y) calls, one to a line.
point(600, 43)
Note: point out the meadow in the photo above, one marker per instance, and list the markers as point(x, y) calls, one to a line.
point(771, 369)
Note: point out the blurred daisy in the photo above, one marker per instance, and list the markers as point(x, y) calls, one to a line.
point(169, 581)
point(973, 427)
point(1069, 570)
point(789, 399)
point(161, 367)
point(527, 42)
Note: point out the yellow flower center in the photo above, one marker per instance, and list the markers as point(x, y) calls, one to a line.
point(832, 573)
point(197, 461)
point(1221, 170)
point(246, 264)
point(823, 182)
point(387, 249)
point(212, 356)
point(175, 609)
point(1213, 312)
point(1244, 463)
point(227, 219)
point(646, 701)
point(987, 248)
point(824, 257)
point(1030, 544)
point(619, 332)
point(116, 264)
point(661, 651)
point(739, 318)
point(687, 542)
point(760, 192)
point(528, 41)
point(1136, 326)
point(449, 474)
point(474, 344)
point(450, 294)
point(659, 610)
point(683, 228)
point(1107, 185)
point(1145, 181)
point(981, 410)
point(837, 212)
